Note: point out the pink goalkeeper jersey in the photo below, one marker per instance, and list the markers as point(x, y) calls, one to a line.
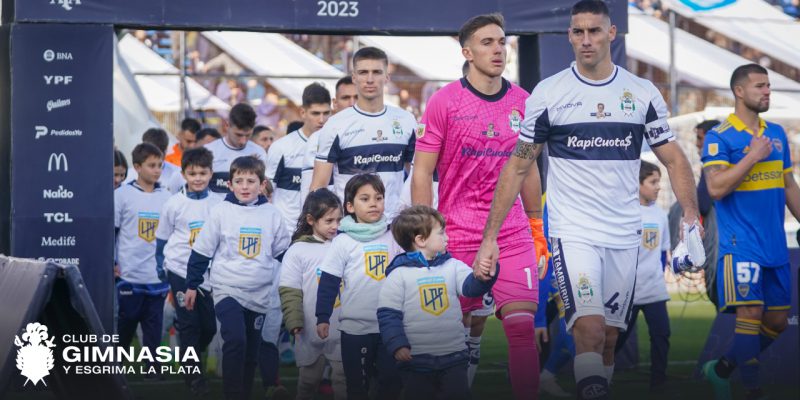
point(474, 134)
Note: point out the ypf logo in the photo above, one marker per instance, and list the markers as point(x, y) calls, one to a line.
point(35, 354)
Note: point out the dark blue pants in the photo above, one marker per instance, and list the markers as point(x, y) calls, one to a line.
point(195, 328)
point(658, 326)
point(365, 357)
point(135, 309)
point(268, 364)
point(443, 383)
point(240, 329)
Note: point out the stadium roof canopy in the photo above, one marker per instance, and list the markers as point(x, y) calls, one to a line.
point(272, 54)
point(754, 23)
point(162, 93)
point(697, 61)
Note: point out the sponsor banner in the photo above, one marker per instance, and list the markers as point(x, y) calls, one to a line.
point(62, 173)
point(412, 16)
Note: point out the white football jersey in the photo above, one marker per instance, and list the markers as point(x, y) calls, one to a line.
point(428, 299)
point(181, 220)
point(362, 267)
point(243, 242)
point(357, 142)
point(301, 270)
point(284, 164)
point(594, 132)
point(650, 284)
point(136, 215)
point(224, 155)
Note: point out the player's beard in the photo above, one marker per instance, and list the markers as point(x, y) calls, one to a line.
point(757, 107)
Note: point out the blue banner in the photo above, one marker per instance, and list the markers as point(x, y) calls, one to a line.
point(62, 146)
point(357, 16)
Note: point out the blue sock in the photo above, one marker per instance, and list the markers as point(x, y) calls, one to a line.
point(766, 336)
point(746, 348)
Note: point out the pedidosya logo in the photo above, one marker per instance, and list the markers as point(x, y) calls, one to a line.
point(35, 354)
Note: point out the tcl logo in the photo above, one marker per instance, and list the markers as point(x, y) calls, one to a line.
point(57, 79)
point(58, 218)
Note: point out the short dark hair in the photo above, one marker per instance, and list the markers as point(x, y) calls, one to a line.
point(143, 151)
point(370, 53)
point(260, 128)
point(478, 22)
point(242, 116)
point(119, 159)
point(347, 80)
point(200, 157)
point(646, 170)
point(157, 137)
point(202, 133)
point(248, 164)
point(706, 125)
point(356, 182)
point(597, 7)
point(413, 221)
point(293, 126)
point(190, 124)
point(316, 94)
point(741, 73)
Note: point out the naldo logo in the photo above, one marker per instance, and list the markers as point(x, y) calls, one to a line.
point(35, 354)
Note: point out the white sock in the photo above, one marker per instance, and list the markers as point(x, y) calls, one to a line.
point(474, 346)
point(588, 364)
point(609, 372)
point(546, 375)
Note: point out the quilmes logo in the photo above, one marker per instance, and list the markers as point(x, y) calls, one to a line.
point(66, 4)
point(35, 354)
point(574, 141)
point(54, 163)
point(57, 103)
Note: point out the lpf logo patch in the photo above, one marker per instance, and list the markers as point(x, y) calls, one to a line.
point(420, 131)
point(194, 230)
point(249, 242)
point(713, 149)
point(433, 295)
point(650, 236)
point(148, 223)
point(376, 259)
point(35, 354)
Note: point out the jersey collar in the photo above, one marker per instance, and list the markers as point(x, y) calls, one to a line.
point(504, 87)
point(591, 82)
point(740, 126)
point(369, 114)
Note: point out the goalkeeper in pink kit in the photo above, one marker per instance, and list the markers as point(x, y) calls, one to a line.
point(467, 134)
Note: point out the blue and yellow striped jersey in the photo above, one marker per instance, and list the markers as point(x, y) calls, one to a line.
point(751, 217)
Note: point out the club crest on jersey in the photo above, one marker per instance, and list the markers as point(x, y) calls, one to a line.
point(627, 103)
point(379, 137)
point(777, 145)
point(713, 149)
point(515, 120)
point(601, 112)
point(194, 230)
point(433, 295)
point(338, 301)
point(490, 132)
point(585, 290)
point(249, 242)
point(148, 223)
point(420, 131)
point(397, 129)
point(650, 236)
point(376, 259)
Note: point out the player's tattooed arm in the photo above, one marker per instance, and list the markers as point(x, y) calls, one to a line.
point(527, 151)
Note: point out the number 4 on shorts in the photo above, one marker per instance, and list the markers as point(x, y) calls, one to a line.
point(611, 304)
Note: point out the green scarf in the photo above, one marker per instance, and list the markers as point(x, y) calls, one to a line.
point(363, 232)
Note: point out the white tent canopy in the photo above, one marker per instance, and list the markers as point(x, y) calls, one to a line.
point(698, 62)
point(131, 116)
point(163, 92)
point(272, 54)
point(754, 23)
